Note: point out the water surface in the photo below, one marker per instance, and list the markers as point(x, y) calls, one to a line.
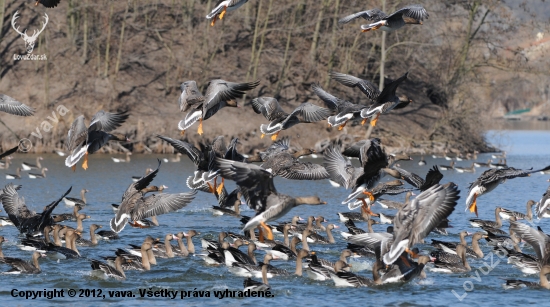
point(107, 181)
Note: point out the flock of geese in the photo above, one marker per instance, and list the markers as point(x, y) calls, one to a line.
point(395, 252)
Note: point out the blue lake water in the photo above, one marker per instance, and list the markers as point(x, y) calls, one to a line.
point(107, 181)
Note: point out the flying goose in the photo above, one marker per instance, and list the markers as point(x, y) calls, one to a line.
point(219, 94)
point(257, 186)
point(224, 6)
point(411, 14)
point(280, 120)
point(384, 101)
point(82, 140)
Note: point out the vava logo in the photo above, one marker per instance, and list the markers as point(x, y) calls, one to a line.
point(29, 40)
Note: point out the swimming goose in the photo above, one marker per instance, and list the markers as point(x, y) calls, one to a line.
point(218, 210)
point(28, 166)
point(447, 167)
point(251, 270)
point(224, 6)
point(17, 174)
point(416, 220)
point(142, 262)
point(25, 220)
point(316, 270)
point(421, 161)
point(384, 101)
point(285, 251)
point(119, 160)
point(41, 175)
point(411, 14)
point(489, 180)
point(166, 250)
point(450, 247)
point(71, 201)
point(526, 263)
point(256, 286)
point(233, 254)
point(329, 265)
point(347, 279)
point(6, 164)
point(542, 210)
point(280, 120)
point(481, 164)
point(135, 206)
point(104, 271)
point(517, 283)
point(299, 266)
point(82, 140)
point(405, 270)
point(486, 223)
point(214, 244)
point(58, 218)
point(350, 216)
point(215, 255)
point(93, 238)
point(507, 214)
point(329, 239)
point(14, 107)
point(219, 94)
point(454, 267)
point(59, 252)
point(107, 235)
point(502, 164)
point(471, 169)
point(345, 110)
point(23, 267)
point(257, 186)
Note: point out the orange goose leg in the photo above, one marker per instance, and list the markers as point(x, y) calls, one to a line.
point(473, 206)
point(85, 163)
point(223, 13)
point(261, 234)
point(274, 137)
point(373, 122)
point(267, 230)
point(363, 121)
point(220, 187)
point(200, 132)
point(182, 132)
point(342, 126)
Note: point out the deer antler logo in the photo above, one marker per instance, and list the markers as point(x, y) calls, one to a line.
point(29, 40)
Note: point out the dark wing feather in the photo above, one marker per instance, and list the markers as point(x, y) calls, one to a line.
point(536, 238)
point(107, 122)
point(269, 107)
point(141, 184)
point(330, 101)
point(185, 148)
point(9, 152)
point(433, 177)
point(221, 91)
point(388, 93)
point(409, 177)
point(414, 11)
point(310, 113)
point(370, 15)
point(255, 182)
point(368, 88)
